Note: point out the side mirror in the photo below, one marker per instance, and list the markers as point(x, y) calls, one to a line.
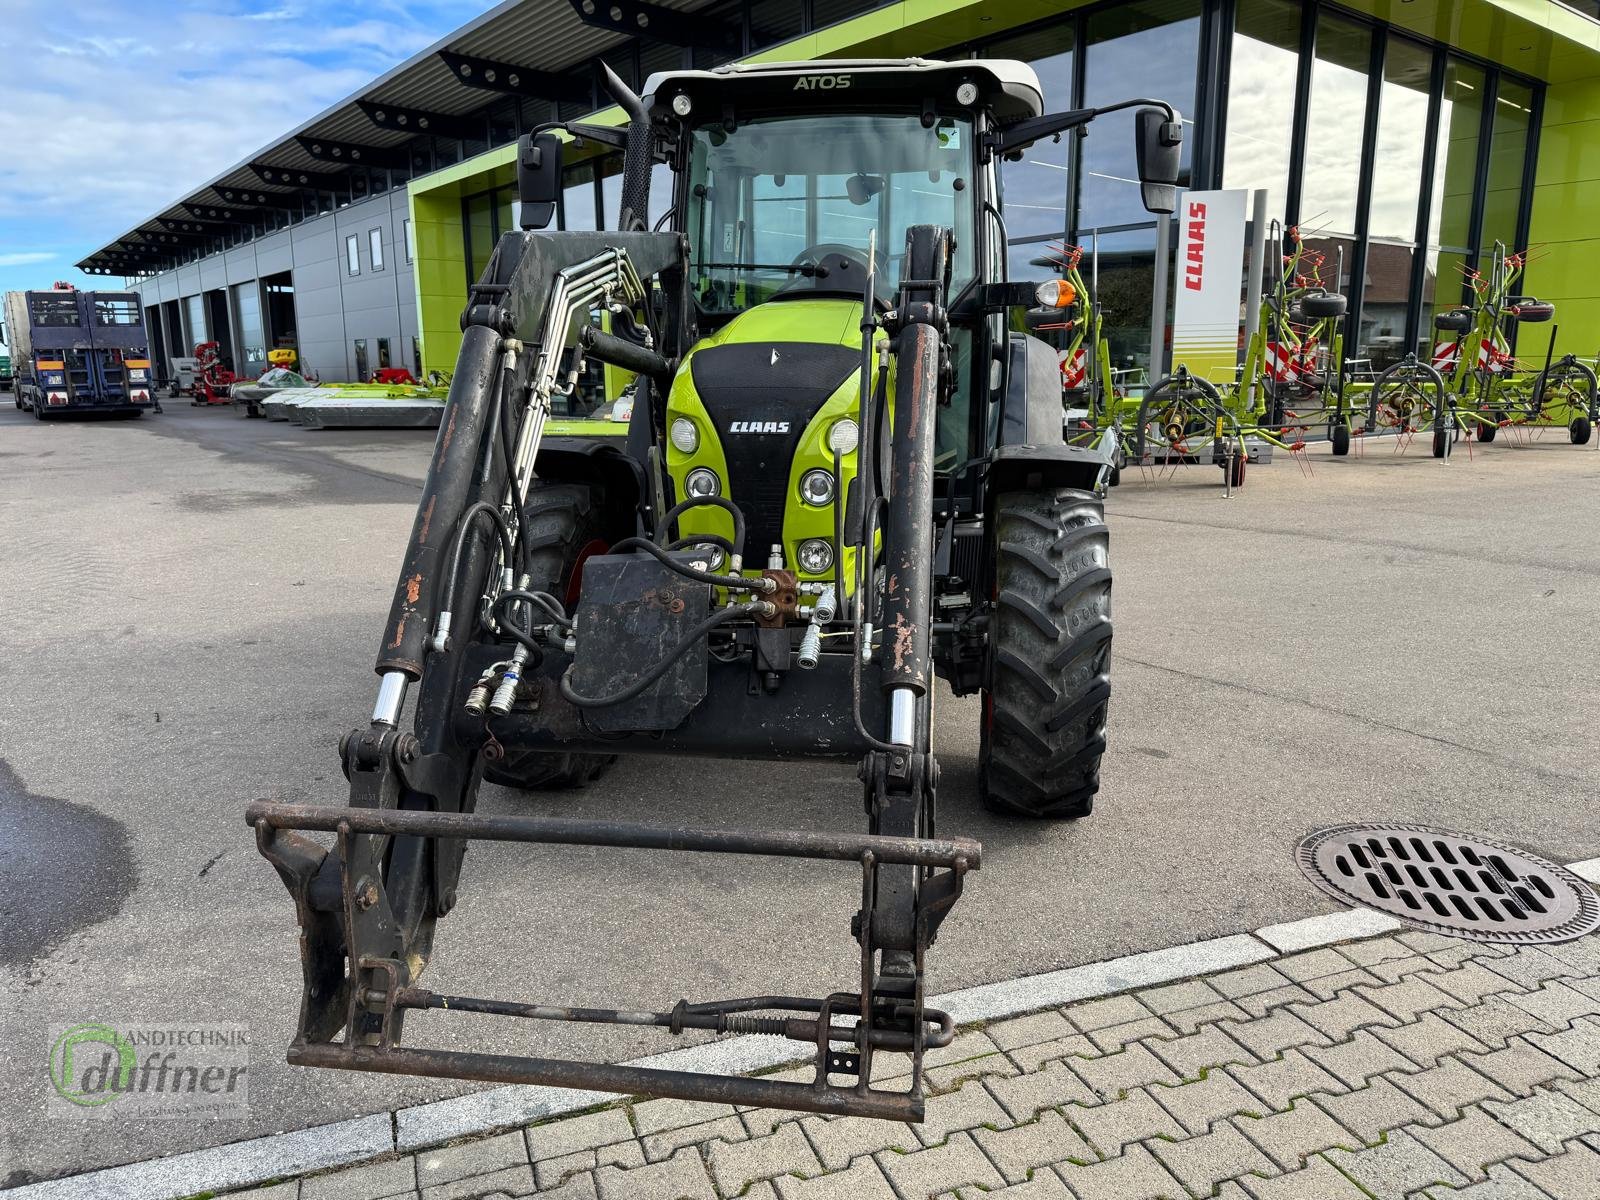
point(1158, 150)
point(538, 178)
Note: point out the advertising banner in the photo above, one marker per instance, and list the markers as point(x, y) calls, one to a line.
point(1209, 274)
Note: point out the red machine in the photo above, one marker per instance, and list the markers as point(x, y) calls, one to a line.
point(213, 382)
point(392, 375)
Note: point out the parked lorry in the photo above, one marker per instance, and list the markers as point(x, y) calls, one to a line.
point(79, 351)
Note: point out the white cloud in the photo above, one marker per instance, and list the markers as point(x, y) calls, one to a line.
point(27, 258)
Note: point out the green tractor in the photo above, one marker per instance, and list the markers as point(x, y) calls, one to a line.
point(837, 473)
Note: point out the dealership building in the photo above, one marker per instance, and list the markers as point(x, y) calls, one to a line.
point(1404, 138)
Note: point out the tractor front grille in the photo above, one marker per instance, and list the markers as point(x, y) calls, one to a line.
point(760, 397)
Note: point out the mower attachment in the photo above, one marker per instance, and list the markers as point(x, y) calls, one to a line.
point(358, 971)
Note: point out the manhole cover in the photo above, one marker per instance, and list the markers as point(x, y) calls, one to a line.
point(1467, 887)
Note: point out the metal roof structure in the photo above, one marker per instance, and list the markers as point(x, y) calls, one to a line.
point(521, 63)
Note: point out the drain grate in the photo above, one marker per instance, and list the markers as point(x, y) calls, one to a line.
point(1466, 887)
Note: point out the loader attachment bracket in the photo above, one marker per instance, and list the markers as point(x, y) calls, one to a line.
point(360, 977)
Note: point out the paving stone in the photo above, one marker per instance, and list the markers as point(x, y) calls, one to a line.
point(1556, 1004)
point(681, 1177)
point(1115, 1037)
point(734, 1164)
point(1050, 1087)
point(369, 1182)
point(1472, 982)
point(1575, 1173)
point(966, 1048)
point(571, 1134)
point(1503, 1184)
point(1376, 950)
point(1582, 955)
point(1194, 1054)
point(1031, 1058)
point(579, 1187)
point(480, 1157)
point(1200, 1163)
point(1428, 1039)
point(665, 1144)
point(863, 1181)
point(1248, 981)
point(1578, 1046)
point(1260, 1004)
point(1423, 941)
point(1474, 1143)
point(1372, 1111)
point(1355, 1062)
point(653, 1116)
point(1279, 1083)
point(1494, 1020)
point(1024, 1148)
point(1102, 1014)
point(510, 1179)
point(1395, 969)
point(276, 1191)
point(1313, 964)
point(1268, 1036)
point(1520, 1067)
point(1317, 1180)
point(839, 1143)
point(1463, 952)
point(926, 1173)
point(1529, 967)
point(1173, 997)
point(1408, 998)
point(1341, 1016)
point(1188, 1020)
point(1585, 1091)
point(1198, 1104)
point(1289, 1138)
point(1113, 1074)
point(549, 1172)
point(1111, 1127)
point(1546, 1118)
point(1329, 986)
point(1398, 1167)
point(967, 1108)
point(1030, 1030)
point(1136, 1175)
point(983, 1066)
point(1045, 1185)
point(1448, 1088)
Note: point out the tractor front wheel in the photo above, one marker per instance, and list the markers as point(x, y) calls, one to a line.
point(564, 527)
point(1044, 711)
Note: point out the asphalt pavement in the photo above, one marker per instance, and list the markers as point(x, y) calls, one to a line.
point(192, 602)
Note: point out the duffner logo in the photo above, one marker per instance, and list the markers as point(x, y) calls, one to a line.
point(759, 427)
point(1194, 254)
point(821, 83)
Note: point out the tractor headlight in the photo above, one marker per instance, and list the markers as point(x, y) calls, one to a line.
point(815, 556)
point(685, 436)
point(844, 437)
point(682, 105)
point(702, 482)
point(816, 487)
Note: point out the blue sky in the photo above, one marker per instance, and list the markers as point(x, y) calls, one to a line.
point(113, 109)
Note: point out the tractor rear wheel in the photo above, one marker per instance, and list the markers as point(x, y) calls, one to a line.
point(564, 528)
point(1044, 712)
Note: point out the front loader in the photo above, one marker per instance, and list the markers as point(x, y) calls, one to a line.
point(835, 474)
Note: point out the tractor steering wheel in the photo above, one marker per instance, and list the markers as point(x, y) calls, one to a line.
point(839, 269)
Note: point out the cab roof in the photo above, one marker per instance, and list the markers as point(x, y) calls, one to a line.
point(1009, 88)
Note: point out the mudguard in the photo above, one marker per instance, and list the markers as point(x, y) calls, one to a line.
point(1031, 450)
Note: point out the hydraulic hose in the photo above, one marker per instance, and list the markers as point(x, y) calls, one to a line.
point(452, 575)
point(728, 506)
point(721, 617)
point(731, 582)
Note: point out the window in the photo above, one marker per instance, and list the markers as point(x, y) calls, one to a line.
point(383, 353)
point(410, 239)
point(247, 313)
point(119, 310)
point(375, 248)
point(1035, 188)
point(352, 255)
point(1508, 148)
point(416, 356)
point(1455, 173)
point(363, 372)
point(1261, 78)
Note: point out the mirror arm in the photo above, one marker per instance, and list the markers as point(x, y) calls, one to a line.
point(1025, 133)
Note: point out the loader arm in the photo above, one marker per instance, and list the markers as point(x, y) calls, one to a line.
point(489, 664)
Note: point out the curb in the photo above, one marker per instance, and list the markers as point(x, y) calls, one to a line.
point(239, 1165)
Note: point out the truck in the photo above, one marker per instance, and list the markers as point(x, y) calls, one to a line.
point(76, 351)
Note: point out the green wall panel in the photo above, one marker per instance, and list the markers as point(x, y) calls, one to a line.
point(1565, 236)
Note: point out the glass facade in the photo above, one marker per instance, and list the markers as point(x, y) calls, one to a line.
point(1401, 163)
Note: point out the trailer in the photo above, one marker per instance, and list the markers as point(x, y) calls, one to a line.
point(79, 351)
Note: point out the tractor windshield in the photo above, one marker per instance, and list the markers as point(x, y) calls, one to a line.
point(774, 200)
